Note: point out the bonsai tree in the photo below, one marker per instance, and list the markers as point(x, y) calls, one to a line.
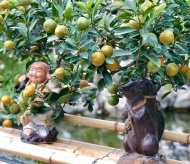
point(80, 38)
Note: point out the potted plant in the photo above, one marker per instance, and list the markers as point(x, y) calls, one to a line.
point(87, 37)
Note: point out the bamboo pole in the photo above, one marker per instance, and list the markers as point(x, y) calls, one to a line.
point(62, 151)
point(119, 127)
point(49, 155)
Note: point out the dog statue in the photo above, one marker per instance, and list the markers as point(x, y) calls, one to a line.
point(144, 125)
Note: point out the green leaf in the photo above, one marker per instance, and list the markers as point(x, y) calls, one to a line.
point(52, 97)
point(64, 91)
point(89, 5)
point(22, 29)
point(166, 94)
point(75, 96)
point(131, 5)
point(41, 109)
point(52, 38)
point(185, 78)
point(10, 53)
point(18, 117)
point(13, 117)
point(183, 47)
point(64, 98)
point(120, 53)
point(90, 107)
point(148, 38)
point(68, 13)
point(4, 112)
point(68, 10)
point(81, 5)
point(75, 78)
point(175, 58)
point(85, 42)
point(87, 89)
point(101, 85)
point(123, 30)
point(107, 77)
point(153, 58)
point(6, 109)
point(97, 4)
point(84, 55)
point(33, 39)
point(33, 24)
point(69, 4)
point(55, 11)
point(160, 8)
point(109, 60)
point(57, 114)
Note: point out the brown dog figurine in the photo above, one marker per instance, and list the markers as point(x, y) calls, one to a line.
point(144, 119)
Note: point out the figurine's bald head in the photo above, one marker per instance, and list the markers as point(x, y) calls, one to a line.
point(38, 72)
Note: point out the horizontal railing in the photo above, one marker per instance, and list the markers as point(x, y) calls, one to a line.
point(119, 127)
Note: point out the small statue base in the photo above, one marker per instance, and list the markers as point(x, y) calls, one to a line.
point(141, 159)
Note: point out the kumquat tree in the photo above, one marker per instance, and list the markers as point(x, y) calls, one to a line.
point(78, 39)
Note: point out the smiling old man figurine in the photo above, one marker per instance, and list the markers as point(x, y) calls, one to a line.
point(38, 127)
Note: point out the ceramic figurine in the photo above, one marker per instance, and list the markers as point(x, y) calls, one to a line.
point(37, 127)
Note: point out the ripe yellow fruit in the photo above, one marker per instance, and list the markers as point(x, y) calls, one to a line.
point(14, 108)
point(145, 6)
point(188, 73)
point(1, 18)
point(84, 75)
point(21, 9)
point(183, 68)
point(72, 88)
point(82, 49)
point(117, 4)
point(34, 49)
point(124, 25)
point(49, 26)
point(136, 22)
point(29, 91)
point(61, 31)
point(4, 4)
point(9, 45)
point(83, 83)
point(7, 123)
point(6, 100)
point(60, 73)
point(172, 69)
point(25, 2)
point(112, 67)
point(166, 37)
point(107, 50)
point(4, 12)
point(98, 58)
point(161, 58)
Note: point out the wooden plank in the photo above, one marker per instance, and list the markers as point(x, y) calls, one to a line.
point(54, 153)
point(64, 150)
